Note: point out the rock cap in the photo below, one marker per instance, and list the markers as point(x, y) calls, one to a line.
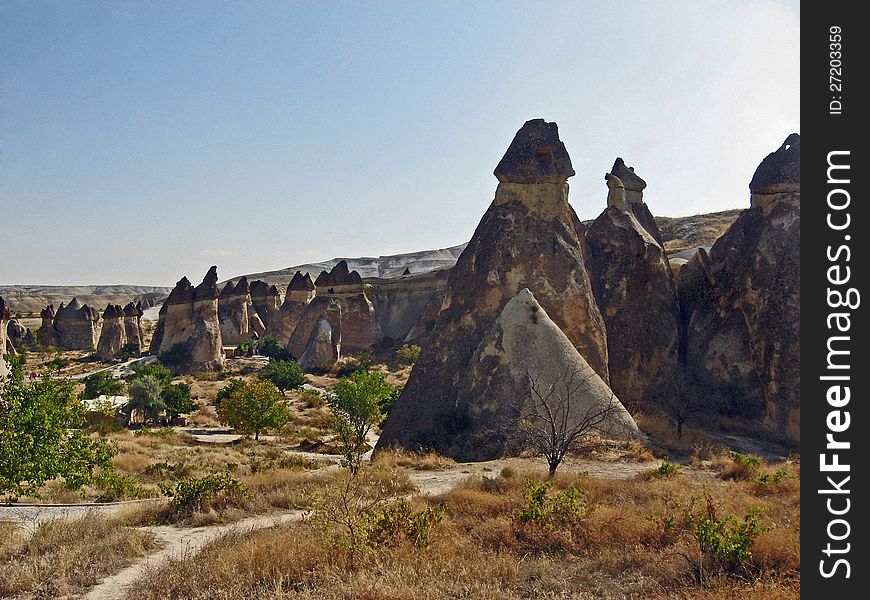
point(780, 171)
point(536, 155)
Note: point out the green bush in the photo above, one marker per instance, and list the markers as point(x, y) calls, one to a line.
point(217, 491)
point(400, 520)
point(270, 347)
point(176, 399)
point(410, 353)
point(115, 486)
point(726, 543)
point(567, 506)
point(773, 478)
point(285, 374)
point(99, 384)
point(666, 469)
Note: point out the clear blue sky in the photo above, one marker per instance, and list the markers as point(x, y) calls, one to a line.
point(142, 141)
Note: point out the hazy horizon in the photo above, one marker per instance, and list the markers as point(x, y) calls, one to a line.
point(141, 143)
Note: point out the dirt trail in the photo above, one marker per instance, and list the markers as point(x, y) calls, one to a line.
point(179, 542)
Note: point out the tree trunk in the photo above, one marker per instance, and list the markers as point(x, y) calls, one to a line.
point(257, 435)
point(552, 472)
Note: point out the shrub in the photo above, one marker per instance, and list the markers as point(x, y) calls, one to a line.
point(740, 467)
point(115, 486)
point(401, 520)
point(773, 478)
point(100, 384)
point(216, 491)
point(271, 348)
point(356, 406)
point(156, 370)
point(665, 470)
point(285, 374)
point(726, 543)
point(563, 507)
point(232, 386)
point(410, 353)
point(146, 396)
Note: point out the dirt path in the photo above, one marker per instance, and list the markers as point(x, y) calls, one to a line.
point(179, 542)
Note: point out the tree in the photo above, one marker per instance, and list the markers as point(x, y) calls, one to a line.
point(99, 384)
point(285, 374)
point(357, 406)
point(176, 399)
point(553, 420)
point(146, 395)
point(252, 407)
point(230, 388)
point(410, 353)
point(270, 347)
point(40, 439)
point(161, 373)
point(679, 400)
point(177, 357)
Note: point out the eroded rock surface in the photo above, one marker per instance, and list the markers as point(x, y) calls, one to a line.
point(324, 343)
point(233, 307)
point(743, 338)
point(74, 326)
point(113, 335)
point(528, 238)
point(635, 290)
point(189, 319)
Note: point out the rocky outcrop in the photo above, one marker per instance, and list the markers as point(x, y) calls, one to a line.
point(402, 306)
point(233, 307)
point(5, 316)
point(528, 238)
point(634, 187)
point(266, 300)
point(300, 293)
point(743, 301)
point(133, 328)
point(189, 326)
point(113, 336)
point(634, 288)
point(74, 326)
point(19, 336)
point(324, 343)
point(359, 326)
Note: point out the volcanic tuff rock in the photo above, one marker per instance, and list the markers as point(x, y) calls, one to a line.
point(189, 318)
point(113, 336)
point(744, 327)
point(528, 238)
point(75, 326)
point(233, 307)
point(5, 316)
point(19, 335)
point(523, 354)
point(133, 327)
point(266, 300)
point(324, 344)
point(634, 288)
point(300, 292)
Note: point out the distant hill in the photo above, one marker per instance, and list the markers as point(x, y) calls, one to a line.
point(682, 235)
point(33, 298)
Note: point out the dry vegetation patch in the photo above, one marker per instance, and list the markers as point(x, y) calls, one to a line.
point(65, 557)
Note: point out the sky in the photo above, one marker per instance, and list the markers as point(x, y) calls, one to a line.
point(143, 141)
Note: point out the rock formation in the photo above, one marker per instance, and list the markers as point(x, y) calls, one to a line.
point(133, 327)
point(113, 335)
point(266, 300)
point(300, 293)
point(5, 316)
point(324, 343)
point(634, 187)
point(19, 336)
point(74, 326)
point(528, 238)
point(743, 338)
point(359, 326)
point(189, 320)
point(402, 306)
point(45, 334)
point(634, 288)
point(233, 307)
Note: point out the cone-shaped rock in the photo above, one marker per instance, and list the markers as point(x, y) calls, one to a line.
point(233, 312)
point(523, 353)
point(743, 337)
point(19, 335)
point(133, 327)
point(189, 328)
point(5, 316)
point(113, 335)
point(324, 343)
point(300, 292)
point(76, 326)
point(528, 238)
point(635, 290)
point(634, 187)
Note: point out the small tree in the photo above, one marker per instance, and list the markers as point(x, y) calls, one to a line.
point(101, 383)
point(270, 347)
point(176, 399)
point(554, 421)
point(161, 373)
point(232, 386)
point(679, 400)
point(40, 439)
point(285, 374)
point(146, 396)
point(357, 407)
point(252, 407)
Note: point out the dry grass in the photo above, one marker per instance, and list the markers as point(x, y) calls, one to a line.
point(482, 550)
point(429, 461)
point(65, 557)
